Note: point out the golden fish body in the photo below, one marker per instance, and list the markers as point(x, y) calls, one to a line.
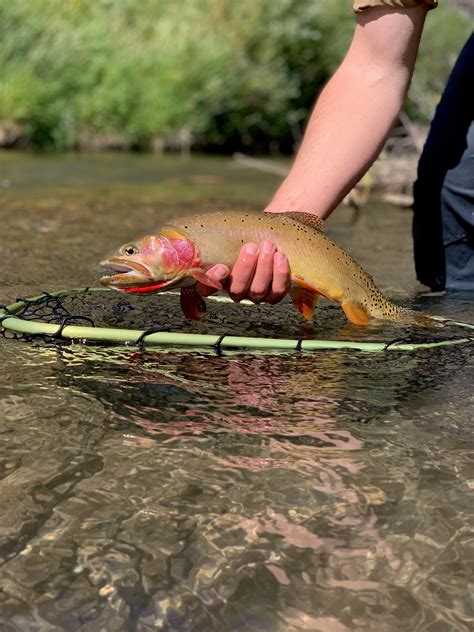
point(181, 252)
point(316, 262)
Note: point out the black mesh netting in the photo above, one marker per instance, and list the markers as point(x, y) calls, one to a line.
point(161, 312)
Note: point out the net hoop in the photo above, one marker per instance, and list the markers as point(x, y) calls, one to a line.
point(152, 338)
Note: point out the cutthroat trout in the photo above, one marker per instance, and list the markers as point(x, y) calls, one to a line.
point(180, 253)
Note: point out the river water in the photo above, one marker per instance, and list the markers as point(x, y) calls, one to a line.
point(187, 491)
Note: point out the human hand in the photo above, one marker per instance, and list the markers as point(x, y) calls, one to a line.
point(260, 274)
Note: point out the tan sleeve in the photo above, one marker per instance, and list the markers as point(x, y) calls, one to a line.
point(362, 5)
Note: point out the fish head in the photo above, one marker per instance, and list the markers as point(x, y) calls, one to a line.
point(151, 264)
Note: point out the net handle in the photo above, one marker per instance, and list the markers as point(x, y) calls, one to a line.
point(16, 324)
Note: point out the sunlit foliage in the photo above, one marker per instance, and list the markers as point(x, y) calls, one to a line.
point(221, 73)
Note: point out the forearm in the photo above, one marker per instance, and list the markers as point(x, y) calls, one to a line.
point(349, 125)
point(343, 138)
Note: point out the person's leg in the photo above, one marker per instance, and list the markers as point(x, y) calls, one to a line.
point(444, 190)
point(457, 208)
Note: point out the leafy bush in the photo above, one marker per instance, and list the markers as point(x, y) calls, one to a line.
point(207, 72)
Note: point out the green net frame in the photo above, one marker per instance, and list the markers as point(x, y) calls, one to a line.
point(69, 329)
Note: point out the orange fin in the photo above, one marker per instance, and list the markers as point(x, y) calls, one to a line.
point(192, 303)
point(202, 277)
point(307, 286)
point(305, 299)
point(357, 314)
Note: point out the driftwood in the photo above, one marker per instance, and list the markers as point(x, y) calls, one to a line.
point(267, 166)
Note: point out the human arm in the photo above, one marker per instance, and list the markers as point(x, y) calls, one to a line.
point(355, 112)
point(346, 131)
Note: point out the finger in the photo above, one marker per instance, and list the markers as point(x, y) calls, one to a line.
point(262, 279)
point(281, 279)
point(243, 271)
point(217, 273)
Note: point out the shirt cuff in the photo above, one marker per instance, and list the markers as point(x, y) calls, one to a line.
point(362, 5)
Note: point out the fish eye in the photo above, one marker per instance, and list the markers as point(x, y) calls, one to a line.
point(130, 250)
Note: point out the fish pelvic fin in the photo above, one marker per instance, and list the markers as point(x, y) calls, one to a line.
point(192, 303)
point(305, 299)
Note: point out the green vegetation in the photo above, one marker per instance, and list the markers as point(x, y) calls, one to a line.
point(151, 73)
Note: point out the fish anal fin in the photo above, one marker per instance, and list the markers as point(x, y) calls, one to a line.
point(192, 303)
point(200, 276)
point(357, 314)
point(304, 299)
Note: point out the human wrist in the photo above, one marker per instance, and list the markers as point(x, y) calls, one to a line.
point(289, 200)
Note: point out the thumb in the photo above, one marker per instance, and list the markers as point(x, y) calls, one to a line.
point(217, 273)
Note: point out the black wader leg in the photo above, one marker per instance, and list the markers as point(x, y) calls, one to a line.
point(445, 174)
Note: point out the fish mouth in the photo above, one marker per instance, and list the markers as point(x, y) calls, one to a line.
point(125, 274)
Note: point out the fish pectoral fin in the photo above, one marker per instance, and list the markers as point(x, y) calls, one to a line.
point(192, 303)
point(357, 314)
point(305, 299)
point(200, 276)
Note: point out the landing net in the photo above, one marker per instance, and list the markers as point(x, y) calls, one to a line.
point(95, 315)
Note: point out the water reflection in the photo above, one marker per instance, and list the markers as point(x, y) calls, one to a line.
point(243, 489)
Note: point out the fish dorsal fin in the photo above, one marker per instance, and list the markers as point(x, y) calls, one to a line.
point(307, 219)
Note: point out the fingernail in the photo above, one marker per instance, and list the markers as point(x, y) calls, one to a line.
point(251, 249)
point(267, 247)
point(280, 257)
point(220, 272)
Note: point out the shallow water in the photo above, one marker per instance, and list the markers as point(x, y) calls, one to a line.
point(167, 490)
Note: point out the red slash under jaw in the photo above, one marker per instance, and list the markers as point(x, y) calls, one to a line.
point(146, 288)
